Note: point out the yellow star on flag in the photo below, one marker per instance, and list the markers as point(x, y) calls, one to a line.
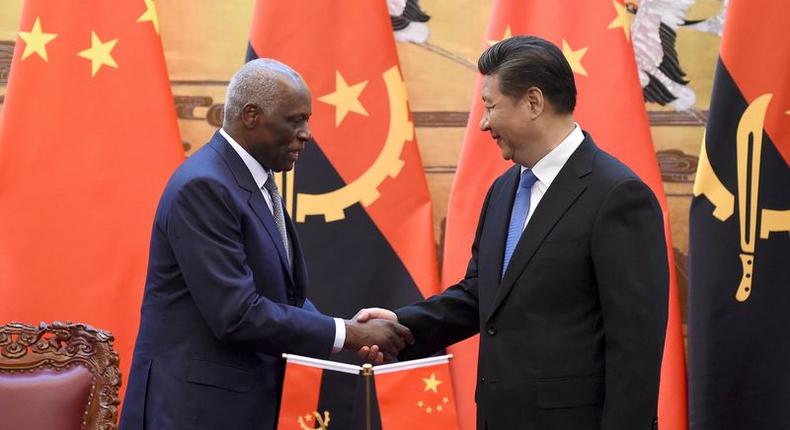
point(99, 53)
point(36, 40)
point(623, 19)
point(574, 57)
point(150, 15)
point(508, 34)
point(345, 99)
point(432, 383)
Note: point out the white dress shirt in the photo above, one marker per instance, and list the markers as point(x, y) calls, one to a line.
point(260, 175)
point(549, 166)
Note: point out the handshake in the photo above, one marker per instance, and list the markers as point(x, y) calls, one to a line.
point(376, 335)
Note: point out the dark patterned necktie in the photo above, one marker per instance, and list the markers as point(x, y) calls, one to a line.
point(278, 213)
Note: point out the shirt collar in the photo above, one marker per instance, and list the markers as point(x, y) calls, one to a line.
point(548, 167)
point(259, 173)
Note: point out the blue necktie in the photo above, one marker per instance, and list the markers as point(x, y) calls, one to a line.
point(519, 215)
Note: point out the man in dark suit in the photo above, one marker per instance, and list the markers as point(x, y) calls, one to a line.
point(568, 280)
point(225, 294)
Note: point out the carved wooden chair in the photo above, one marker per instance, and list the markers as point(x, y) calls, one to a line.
point(60, 376)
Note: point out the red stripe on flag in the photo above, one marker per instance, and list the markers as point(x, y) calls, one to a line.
point(758, 67)
point(299, 402)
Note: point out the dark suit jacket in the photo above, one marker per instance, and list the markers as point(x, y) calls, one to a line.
point(220, 304)
point(572, 336)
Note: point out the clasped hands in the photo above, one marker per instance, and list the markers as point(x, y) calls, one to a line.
point(376, 335)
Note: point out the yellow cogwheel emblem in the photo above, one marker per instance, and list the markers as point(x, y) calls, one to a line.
point(332, 205)
point(314, 419)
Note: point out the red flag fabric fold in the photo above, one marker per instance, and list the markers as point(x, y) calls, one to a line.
point(420, 398)
point(88, 138)
point(299, 402)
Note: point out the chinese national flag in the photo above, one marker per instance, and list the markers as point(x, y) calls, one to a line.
point(595, 38)
point(739, 247)
point(358, 194)
point(88, 138)
point(417, 399)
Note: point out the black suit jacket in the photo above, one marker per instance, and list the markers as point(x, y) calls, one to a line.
point(572, 336)
point(220, 305)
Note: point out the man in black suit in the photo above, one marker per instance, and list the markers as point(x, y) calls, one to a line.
point(226, 292)
point(568, 279)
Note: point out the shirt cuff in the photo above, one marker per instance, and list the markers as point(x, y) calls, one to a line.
point(340, 335)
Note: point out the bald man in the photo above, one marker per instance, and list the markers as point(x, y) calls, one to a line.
point(225, 294)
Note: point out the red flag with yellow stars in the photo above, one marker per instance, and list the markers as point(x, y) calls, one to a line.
point(595, 38)
point(416, 395)
point(88, 138)
point(358, 194)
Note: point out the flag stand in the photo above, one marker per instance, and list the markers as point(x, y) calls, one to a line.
point(428, 404)
point(367, 372)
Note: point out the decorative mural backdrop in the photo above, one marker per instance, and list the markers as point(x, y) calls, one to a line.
point(676, 47)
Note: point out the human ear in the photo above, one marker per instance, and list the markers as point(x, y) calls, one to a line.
point(535, 101)
point(249, 114)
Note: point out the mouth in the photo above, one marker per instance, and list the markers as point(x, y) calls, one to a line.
point(497, 138)
point(293, 155)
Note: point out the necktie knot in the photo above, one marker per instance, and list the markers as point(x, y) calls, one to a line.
point(528, 179)
point(270, 185)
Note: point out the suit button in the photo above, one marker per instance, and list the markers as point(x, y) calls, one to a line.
point(483, 380)
point(491, 330)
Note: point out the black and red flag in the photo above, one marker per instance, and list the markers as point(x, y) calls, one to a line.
point(358, 195)
point(300, 408)
point(739, 292)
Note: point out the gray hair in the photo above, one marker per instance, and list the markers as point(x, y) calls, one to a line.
point(259, 82)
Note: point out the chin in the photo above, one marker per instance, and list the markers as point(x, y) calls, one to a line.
point(285, 167)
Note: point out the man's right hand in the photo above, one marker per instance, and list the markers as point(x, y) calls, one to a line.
point(373, 353)
point(389, 336)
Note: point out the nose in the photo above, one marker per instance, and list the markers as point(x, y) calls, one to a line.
point(304, 134)
point(484, 122)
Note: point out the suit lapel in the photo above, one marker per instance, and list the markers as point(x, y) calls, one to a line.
point(256, 201)
point(299, 268)
point(500, 206)
point(563, 192)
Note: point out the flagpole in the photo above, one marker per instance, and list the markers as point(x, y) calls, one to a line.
point(367, 373)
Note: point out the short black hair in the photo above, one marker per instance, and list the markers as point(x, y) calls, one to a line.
point(522, 62)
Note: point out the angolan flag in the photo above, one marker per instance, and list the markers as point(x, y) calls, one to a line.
point(739, 244)
point(358, 194)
